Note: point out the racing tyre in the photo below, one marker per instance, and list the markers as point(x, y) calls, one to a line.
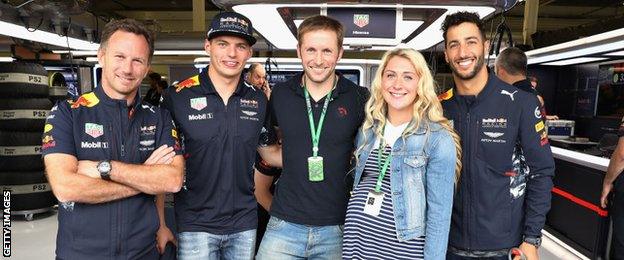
point(24, 114)
point(20, 151)
point(29, 190)
point(23, 80)
point(58, 86)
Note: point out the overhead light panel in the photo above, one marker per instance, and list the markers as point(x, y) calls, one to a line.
point(18, 31)
point(617, 53)
point(157, 52)
point(593, 45)
point(181, 52)
point(573, 61)
point(269, 23)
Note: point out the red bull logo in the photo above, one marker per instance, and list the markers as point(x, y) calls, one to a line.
point(86, 100)
point(187, 83)
point(47, 142)
point(446, 95)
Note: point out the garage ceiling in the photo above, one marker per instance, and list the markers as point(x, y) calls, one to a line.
point(173, 19)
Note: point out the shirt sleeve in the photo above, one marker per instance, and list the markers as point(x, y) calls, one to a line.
point(536, 149)
point(58, 133)
point(169, 133)
point(268, 134)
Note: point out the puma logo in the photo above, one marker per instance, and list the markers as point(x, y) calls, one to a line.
point(511, 95)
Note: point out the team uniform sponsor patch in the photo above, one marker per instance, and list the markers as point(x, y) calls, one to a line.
point(94, 130)
point(198, 103)
point(47, 128)
point(86, 100)
point(539, 126)
point(248, 103)
point(494, 123)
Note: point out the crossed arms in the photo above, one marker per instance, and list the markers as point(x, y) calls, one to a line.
point(79, 181)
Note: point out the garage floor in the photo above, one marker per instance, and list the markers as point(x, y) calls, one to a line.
point(36, 240)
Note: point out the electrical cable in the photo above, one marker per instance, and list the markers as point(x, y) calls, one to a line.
point(73, 70)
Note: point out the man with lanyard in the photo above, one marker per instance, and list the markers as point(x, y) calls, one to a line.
point(613, 183)
point(318, 113)
point(499, 204)
point(106, 155)
point(221, 119)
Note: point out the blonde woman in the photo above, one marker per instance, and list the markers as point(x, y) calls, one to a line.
point(407, 165)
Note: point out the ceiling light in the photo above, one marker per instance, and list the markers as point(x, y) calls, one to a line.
point(573, 61)
point(21, 32)
point(269, 23)
point(592, 45)
point(157, 52)
point(76, 53)
point(617, 53)
point(181, 52)
point(345, 61)
point(6, 59)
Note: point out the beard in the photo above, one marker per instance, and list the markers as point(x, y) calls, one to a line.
point(478, 66)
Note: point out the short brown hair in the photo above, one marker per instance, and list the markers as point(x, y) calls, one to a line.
point(320, 22)
point(513, 60)
point(131, 26)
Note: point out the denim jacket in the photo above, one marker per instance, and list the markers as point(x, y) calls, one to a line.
point(422, 184)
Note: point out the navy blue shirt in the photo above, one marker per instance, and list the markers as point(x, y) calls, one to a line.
point(220, 142)
point(297, 199)
point(499, 200)
point(96, 127)
point(525, 85)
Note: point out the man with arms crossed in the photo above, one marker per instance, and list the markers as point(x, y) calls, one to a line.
point(318, 113)
point(221, 122)
point(501, 202)
point(106, 155)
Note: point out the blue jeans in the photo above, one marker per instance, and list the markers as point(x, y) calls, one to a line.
point(203, 245)
point(285, 240)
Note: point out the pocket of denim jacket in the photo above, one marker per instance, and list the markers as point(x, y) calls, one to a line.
point(415, 161)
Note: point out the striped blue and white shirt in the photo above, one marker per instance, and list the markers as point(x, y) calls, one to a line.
point(375, 237)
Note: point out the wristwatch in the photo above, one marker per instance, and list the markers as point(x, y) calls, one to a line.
point(104, 167)
point(536, 241)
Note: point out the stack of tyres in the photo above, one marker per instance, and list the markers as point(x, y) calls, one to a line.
point(24, 107)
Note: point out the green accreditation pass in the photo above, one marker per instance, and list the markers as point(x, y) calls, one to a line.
point(315, 162)
point(315, 168)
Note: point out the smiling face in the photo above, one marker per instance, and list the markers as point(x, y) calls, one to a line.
point(228, 55)
point(124, 62)
point(399, 85)
point(319, 52)
point(465, 50)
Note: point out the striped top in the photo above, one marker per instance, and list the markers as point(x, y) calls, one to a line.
point(370, 237)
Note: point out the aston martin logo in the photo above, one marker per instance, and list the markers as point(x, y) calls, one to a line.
point(360, 20)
